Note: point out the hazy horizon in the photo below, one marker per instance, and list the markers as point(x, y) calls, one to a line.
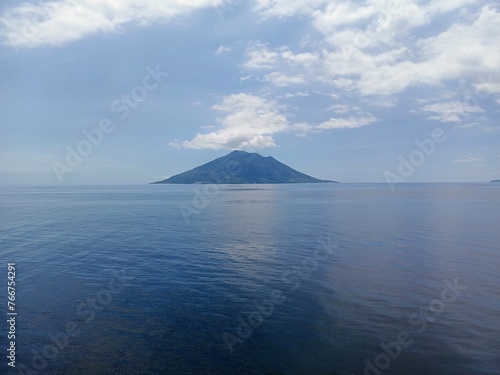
point(297, 183)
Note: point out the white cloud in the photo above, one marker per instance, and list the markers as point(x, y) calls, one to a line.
point(375, 23)
point(382, 20)
point(465, 50)
point(305, 59)
point(286, 8)
point(349, 123)
point(301, 94)
point(476, 159)
point(282, 80)
point(453, 111)
point(372, 48)
point(487, 87)
point(260, 57)
point(380, 102)
point(221, 50)
point(250, 122)
point(343, 108)
point(60, 22)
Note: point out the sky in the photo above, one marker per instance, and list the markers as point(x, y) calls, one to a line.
point(134, 91)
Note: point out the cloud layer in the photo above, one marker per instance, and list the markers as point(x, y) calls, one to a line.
point(60, 22)
point(364, 56)
point(370, 48)
point(250, 122)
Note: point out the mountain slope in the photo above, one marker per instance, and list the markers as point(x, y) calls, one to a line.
point(240, 167)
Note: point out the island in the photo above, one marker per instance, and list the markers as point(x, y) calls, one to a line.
point(495, 181)
point(240, 167)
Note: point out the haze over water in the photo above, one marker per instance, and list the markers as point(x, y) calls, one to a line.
point(356, 265)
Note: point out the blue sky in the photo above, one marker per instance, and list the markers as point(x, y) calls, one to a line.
point(129, 92)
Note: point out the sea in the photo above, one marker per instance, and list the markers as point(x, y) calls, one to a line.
point(292, 279)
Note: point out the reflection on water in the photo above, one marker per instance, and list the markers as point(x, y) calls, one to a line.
point(191, 283)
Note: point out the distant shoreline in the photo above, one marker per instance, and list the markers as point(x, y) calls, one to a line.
point(244, 183)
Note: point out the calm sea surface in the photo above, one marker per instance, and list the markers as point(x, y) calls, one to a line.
point(255, 279)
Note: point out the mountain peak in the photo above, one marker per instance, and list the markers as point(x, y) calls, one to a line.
point(243, 153)
point(241, 167)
